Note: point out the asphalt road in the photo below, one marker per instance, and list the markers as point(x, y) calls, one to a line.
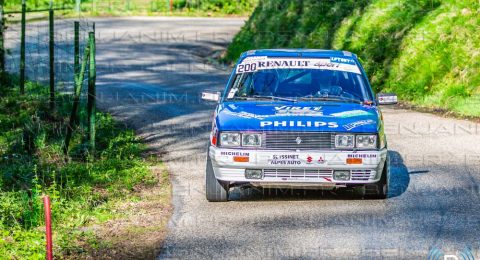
point(150, 75)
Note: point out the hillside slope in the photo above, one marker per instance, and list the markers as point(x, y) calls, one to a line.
point(427, 51)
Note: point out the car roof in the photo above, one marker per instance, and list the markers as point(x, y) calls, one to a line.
point(309, 53)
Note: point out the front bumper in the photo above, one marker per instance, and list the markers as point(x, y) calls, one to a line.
point(287, 168)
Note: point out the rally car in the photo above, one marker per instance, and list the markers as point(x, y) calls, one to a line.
point(297, 118)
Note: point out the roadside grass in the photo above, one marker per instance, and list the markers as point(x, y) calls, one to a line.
point(87, 196)
point(426, 51)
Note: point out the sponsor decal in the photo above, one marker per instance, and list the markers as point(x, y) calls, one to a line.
point(309, 159)
point(279, 111)
point(246, 115)
point(295, 159)
point(285, 162)
point(285, 159)
point(351, 113)
point(293, 110)
point(298, 124)
point(358, 123)
point(232, 92)
point(361, 156)
point(342, 60)
point(251, 64)
point(235, 153)
point(321, 160)
point(232, 106)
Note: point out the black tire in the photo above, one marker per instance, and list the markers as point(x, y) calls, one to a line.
point(215, 190)
point(379, 190)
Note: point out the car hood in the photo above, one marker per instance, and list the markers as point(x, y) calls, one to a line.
point(301, 116)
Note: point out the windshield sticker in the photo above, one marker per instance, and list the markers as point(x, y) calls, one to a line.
point(254, 58)
point(342, 60)
point(298, 124)
point(251, 65)
point(353, 125)
point(232, 92)
point(351, 113)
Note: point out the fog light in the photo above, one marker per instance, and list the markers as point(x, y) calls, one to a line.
point(253, 174)
point(341, 175)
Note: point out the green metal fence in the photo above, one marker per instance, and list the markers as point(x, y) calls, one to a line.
point(48, 52)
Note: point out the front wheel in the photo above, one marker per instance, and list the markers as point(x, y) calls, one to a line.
point(215, 190)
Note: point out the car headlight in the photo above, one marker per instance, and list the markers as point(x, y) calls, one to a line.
point(251, 140)
point(344, 141)
point(366, 141)
point(230, 139)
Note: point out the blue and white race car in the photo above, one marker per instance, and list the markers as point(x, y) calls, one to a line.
point(299, 119)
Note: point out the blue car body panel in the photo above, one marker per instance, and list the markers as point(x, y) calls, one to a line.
point(298, 116)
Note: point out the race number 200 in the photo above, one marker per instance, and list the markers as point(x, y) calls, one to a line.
point(246, 67)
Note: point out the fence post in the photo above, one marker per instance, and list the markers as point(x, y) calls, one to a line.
point(91, 93)
point(76, 55)
point(52, 55)
point(76, 99)
point(22, 48)
point(48, 227)
point(2, 45)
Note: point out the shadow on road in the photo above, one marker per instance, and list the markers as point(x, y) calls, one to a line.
point(399, 176)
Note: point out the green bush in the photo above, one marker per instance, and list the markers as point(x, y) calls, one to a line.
point(32, 164)
point(427, 51)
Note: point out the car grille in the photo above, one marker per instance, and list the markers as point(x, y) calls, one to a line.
point(356, 175)
point(361, 175)
point(297, 173)
point(299, 140)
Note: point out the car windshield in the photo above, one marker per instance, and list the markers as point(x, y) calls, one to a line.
point(298, 79)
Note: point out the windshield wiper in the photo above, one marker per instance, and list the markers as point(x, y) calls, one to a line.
point(341, 99)
point(275, 98)
point(237, 98)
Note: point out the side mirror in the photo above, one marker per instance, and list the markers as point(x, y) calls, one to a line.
point(211, 96)
point(387, 98)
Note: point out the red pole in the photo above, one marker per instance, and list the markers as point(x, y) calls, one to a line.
point(171, 6)
point(48, 226)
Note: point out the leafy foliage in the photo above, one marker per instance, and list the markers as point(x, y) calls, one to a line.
point(424, 50)
point(32, 164)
